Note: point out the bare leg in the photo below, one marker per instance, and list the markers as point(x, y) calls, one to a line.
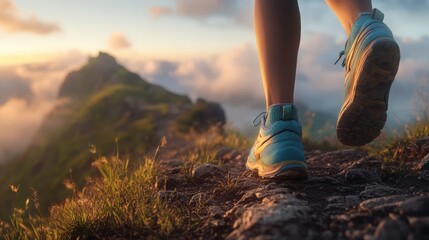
point(278, 32)
point(348, 11)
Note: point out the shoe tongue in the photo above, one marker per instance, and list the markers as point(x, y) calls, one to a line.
point(281, 113)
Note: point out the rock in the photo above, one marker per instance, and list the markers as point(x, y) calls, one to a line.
point(391, 230)
point(208, 171)
point(416, 206)
point(421, 141)
point(201, 116)
point(424, 175)
point(382, 203)
point(335, 199)
point(362, 175)
point(227, 154)
point(167, 182)
point(420, 228)
point(352, 200)
point(172, 163)
point(232, 155)
point(373, 191)
point(424, 163)
point(280, 216)
point(222, 152)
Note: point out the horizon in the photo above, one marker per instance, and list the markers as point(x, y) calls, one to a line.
point(189, 47)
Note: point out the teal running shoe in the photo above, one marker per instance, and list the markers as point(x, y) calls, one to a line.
point(278, 151)
point(371, 61)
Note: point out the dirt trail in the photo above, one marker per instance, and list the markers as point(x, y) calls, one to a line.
point(348, 195)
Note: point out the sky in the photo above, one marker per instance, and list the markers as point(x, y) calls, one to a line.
point(194, 47)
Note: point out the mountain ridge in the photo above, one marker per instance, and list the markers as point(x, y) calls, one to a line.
point(102, 104)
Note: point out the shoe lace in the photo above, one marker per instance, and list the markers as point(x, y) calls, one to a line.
point(259, 119)
point(340, 55)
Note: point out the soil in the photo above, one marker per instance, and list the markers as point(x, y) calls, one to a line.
point(348, 195)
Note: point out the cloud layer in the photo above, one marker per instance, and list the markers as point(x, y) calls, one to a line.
point(235, 11)
point(28, 92)
point(11, 22)
point(233, 76)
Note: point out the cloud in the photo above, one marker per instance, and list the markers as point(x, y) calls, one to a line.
point(11, 22)
point(233, 77)
point(13, 86)
point(410, 5)
point(159, 11)
point(28, 92)
point(19, 121)
point(233, 11)
point(118, 41)
point(206, 8)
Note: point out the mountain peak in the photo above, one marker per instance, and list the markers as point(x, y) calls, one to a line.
point(99, 72)
point(103, 58)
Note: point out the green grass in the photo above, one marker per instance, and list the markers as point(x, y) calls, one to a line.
point(122, 203)
point(401, 149)
point(124, 200)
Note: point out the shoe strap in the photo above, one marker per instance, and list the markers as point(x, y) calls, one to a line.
point(281, 112)
point(377, 14)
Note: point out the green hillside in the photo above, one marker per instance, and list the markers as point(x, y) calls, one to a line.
point(103, 105)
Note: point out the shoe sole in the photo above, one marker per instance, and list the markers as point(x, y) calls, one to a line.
point(286, 170)
point(364, 113)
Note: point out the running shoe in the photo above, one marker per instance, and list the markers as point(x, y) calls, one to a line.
point(371, 61)
point(278, 152)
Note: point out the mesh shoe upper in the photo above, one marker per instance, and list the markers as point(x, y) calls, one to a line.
point(279, 138)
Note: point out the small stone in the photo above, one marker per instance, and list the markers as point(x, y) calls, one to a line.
point(231, 155)
point(373, 191)
point(207, 171)
point(362, 175)
point(382, 203)
point(222, 152)
point(335, 199)
point(424, 163)
point(416, 206)
point(167, 183)
point(421, 141)
point(352, 200)
point(391, 230)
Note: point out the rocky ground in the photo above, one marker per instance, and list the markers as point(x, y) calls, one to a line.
point(349, 195)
